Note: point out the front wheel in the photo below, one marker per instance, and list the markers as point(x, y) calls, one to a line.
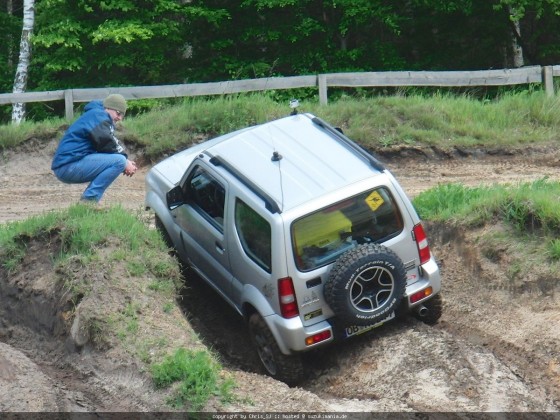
point(288, 369)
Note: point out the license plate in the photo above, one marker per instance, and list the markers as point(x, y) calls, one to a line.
point(360, 329)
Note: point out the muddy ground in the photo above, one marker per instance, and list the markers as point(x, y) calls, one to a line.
point(495, 349)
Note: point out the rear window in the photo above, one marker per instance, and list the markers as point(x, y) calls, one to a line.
point(321, 237)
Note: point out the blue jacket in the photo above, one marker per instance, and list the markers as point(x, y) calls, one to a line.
point(93, 132)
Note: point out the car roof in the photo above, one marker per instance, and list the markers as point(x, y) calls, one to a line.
point(295, 159)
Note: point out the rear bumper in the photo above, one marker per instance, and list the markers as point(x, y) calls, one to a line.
point(429, 277)
point(290, 334)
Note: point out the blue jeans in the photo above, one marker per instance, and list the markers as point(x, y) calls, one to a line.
point(99, 169)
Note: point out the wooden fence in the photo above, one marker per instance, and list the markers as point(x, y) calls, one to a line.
point(503, 77)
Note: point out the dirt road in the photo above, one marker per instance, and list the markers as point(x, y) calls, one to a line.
point(28, 187)
point(493, 350)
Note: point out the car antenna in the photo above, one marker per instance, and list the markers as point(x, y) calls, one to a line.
point(276, 156)
point(294, 103)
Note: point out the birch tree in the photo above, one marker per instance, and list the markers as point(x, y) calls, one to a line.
point(9, 40)
point(20, 79)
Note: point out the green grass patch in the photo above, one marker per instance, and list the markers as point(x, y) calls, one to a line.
point(532, 207)
point(553, 249)
point(446, 120)
point(195, 377)
point(81, 230)
point(169, 129)
point(13, 135)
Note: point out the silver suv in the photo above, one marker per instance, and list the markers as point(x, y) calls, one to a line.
point(308, 236)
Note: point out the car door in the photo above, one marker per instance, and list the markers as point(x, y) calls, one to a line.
point(202, 226)
point(251, 251)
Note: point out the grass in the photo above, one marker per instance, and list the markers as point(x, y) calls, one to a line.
point(527, 207)
point(163, 131)
point(197, 378)
point(411, 118)
point(439, 120)
point(446, 121)
point(520, 221)
point(12, 135)
point(82, 230)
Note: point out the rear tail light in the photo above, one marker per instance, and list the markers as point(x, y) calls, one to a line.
point(287, 296)
point(317, 338)
point(421, 295)
point(421, 243)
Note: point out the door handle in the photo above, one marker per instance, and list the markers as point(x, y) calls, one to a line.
point(219, 247)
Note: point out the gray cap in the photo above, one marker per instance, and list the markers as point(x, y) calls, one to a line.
point(116, 102)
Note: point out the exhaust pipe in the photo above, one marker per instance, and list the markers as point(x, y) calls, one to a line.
point(422, 311)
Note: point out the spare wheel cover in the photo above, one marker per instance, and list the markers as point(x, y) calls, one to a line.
point(366, 285)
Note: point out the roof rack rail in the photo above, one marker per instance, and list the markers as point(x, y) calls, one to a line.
point(352, 145)
point(269, 202)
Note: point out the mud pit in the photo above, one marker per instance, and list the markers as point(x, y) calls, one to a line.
point(493, 350)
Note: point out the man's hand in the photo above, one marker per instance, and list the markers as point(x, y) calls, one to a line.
point(130, 168)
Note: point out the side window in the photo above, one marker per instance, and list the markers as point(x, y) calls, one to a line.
point(206, 194)
point(254, 233)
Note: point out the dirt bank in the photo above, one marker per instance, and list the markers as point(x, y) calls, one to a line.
point(494, 350)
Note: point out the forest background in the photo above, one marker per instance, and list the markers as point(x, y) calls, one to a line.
point(111, 43)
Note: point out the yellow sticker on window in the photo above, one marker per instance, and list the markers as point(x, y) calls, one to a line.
point(374, 200)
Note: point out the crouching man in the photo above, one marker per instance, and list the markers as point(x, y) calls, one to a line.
point(89, 150)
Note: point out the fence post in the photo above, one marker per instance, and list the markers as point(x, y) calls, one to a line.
point(547, 75)
point(69, 104)
point(322, 78)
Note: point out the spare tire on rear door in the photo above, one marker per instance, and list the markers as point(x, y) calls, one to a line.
point(366, 284)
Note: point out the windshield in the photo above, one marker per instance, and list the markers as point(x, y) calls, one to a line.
point(321, 237)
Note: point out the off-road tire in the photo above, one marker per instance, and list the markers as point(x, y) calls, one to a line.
point(366, 285)
point(435, 310)
point(288, 369)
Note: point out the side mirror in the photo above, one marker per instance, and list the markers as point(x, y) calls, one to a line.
point(175, 198)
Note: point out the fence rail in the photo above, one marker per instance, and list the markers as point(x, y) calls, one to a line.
point(503, 77)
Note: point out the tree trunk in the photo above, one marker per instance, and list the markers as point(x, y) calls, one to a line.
point(20, 79)
point(516, 48)
point(9, 40)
